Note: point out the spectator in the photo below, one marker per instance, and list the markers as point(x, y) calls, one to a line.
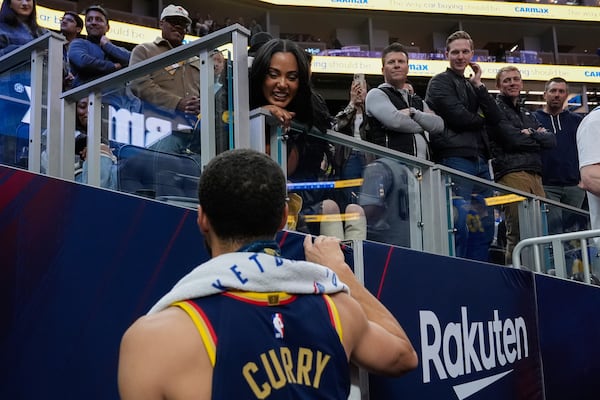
point(210, 23)
point(466, 107)
point(81, 118)
point(218, 67)
point(108, 166)
point(174, 91)
point(398, 120)
point(352, 121)
point(18, 27)
point(255, 27)
point(256, 42)
point(71, 25)
point(242, 205)
point(560, 165)
point(280, 84)
point(516, 142)
point(198, 27)
point(335, 42)
point(108, 163)
point(589, 161)
point(18, 24)
point(95, 56)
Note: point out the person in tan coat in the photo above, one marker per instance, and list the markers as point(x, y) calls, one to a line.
point(173, 92)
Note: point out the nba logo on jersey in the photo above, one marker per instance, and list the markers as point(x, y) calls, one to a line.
point(278, 325)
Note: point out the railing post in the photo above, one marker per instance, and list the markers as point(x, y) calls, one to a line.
point(94, 134)
point(35, 109)
point(207, 108)
point(54, 133)
point(241, 112)
point(67, 141)
point(435, 215)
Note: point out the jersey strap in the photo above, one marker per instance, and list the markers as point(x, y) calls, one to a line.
point(205, 328)
point(334, 315)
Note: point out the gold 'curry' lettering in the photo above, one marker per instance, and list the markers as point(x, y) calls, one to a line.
point(282, 367)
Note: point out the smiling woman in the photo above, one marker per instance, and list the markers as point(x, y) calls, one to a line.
point(18, 24)
point(280, 82)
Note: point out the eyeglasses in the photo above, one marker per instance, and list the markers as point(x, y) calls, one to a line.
point(176, 21)
point(68, 19)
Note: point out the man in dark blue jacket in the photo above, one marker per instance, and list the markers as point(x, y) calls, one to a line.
point(516, 144)
point(95, 56)
point(560, 165)
point(466, 107)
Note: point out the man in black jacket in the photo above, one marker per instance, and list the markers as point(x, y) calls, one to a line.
point(516, 144)
point(466, 107)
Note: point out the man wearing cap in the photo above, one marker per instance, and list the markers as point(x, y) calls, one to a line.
point(256, 41)
point(171, 92)
point(71, 25)
point(95, 56)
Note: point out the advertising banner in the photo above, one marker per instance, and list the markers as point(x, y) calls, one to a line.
point(458, 7)
point(472, 324)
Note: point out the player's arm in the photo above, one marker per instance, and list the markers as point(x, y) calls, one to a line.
point(140, 366)
point(381, 344)
point(162, 357)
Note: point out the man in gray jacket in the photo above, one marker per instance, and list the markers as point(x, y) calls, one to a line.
point(397, 119)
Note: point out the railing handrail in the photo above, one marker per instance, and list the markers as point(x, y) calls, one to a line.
point(23, 53)
point(588, 234)
point(556, 241)
point(363, 145)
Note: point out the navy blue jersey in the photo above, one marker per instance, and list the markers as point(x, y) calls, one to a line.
point(272, 345)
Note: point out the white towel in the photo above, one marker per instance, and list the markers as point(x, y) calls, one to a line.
point(252, 272)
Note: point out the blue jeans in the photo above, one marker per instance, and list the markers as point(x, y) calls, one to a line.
point(559, 221)
point(353, 169)
point(474, 227)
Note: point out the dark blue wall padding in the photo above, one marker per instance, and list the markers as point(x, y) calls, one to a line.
point(78, 265)
point(570, 338)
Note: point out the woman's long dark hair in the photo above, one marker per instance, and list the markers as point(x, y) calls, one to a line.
point(301, 104)
point(9, 16)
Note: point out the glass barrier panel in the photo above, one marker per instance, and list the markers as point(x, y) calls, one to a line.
point(477, 215)
point(556, 220)
point(15, 102)
point(152, 131)
point(134, 153)
point(221, 61)
point(342, 191)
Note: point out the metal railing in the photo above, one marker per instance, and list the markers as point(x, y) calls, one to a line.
point(557, 242)
point(43, 52)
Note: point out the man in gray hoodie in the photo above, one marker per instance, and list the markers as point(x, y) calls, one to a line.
point(560, 164)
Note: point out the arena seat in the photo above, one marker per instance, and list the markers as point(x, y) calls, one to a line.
point(158, 175)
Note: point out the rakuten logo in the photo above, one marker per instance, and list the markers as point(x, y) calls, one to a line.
point(465, 347)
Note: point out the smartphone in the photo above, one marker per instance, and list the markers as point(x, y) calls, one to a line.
point(360, 78)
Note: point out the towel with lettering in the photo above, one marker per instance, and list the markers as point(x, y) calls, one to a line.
point(252, 272)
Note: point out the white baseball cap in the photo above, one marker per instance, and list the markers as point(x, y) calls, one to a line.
point(175, 11)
